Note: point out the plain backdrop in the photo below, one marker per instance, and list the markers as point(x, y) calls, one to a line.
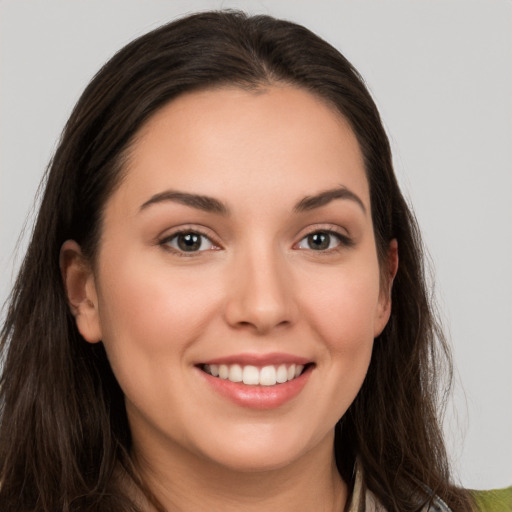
point(440, 72)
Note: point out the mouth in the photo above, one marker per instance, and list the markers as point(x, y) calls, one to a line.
point(250, 375)
point(258, 381)
point(254, 376)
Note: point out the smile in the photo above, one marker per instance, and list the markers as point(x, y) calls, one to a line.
point(250, 375)
point(257, 381)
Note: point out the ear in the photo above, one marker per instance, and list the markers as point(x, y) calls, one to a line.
point(80, 287)
point(389, 272)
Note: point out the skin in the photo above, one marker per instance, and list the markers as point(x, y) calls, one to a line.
point(256, 287)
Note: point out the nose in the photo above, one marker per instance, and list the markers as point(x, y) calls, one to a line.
point(261, 293)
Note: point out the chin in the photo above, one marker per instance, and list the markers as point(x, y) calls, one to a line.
point(261, 453)
point(250, 462)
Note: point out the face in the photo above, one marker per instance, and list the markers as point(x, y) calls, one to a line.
point(236, 287)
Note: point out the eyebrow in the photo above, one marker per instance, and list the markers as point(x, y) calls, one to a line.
point(212, 205)
point(323, 198)
point(205, 203)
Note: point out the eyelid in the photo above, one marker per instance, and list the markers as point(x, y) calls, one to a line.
point(331, 229)
point(168, 235)
point(326, 227)
point(335, 230)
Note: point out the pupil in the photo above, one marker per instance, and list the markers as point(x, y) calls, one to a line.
point(189, 242)
point(319, 241)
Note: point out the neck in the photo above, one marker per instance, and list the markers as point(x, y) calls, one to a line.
point(183, 484)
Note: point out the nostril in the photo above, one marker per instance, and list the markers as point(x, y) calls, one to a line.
point(259, 305)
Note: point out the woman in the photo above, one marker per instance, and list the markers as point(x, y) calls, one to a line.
point(224, 284)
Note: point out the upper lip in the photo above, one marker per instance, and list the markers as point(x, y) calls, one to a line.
point(274, 358)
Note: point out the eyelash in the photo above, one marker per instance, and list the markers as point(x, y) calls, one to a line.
point(165, 242)
point(343, 241)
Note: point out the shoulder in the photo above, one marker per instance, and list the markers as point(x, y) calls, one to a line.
point(499, 500)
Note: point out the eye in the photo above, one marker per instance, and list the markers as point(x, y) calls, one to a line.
point(322, 241)
point(188, 241)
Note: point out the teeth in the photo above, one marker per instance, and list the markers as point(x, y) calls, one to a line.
point(251, 375)
point(282, 374)
point(254, 376)
point(223, 371)
point(235, 373)
point(268, 376)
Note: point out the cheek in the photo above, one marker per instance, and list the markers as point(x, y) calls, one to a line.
point(147, 308)
point(338, 312)
point(343, 308)
point(150, 314)
point(341, 314)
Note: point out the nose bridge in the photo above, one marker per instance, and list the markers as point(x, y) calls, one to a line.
point(261, 292)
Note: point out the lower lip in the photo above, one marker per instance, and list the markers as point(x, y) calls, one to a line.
point(258, 397)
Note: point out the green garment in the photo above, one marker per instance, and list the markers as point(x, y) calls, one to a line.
point(493, 501)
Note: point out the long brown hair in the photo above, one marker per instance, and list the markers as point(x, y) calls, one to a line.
point(64, 434)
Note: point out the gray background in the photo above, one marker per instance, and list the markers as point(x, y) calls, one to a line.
point(441, 74)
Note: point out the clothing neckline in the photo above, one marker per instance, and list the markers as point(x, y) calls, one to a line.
point(363, 500)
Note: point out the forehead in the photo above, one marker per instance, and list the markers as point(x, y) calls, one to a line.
point(270, 141)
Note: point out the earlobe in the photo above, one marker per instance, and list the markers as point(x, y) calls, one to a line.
point(384, 308)
point(79, 284)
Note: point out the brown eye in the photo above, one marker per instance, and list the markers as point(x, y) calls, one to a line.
point(322, 241)
point(189, 241)
point(319, 241)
